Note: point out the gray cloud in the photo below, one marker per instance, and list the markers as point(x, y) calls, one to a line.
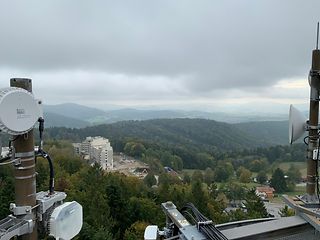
point(157, 48)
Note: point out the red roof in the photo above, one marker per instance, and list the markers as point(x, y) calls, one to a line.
point(265, 189)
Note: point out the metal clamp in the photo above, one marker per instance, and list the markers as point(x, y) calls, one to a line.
point(45, 201)
point(314, 73)
point(12, 226)
point(204, 223)
point(26, 168)
point(21, 210)
point(311, 127)
point(24, 154)
point(16, 162)
point(26, 177)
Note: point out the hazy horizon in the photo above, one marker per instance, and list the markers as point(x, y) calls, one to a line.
point(248, 110)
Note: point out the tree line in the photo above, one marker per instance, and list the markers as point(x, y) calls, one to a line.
point(120, 207)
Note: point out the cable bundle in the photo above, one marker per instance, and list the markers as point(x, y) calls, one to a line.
point(204, 225)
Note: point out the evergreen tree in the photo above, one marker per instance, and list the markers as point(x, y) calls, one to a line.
point(6, 190)
point(262, 177)
point(278, 181)
point(199, 196)
point(255, 206)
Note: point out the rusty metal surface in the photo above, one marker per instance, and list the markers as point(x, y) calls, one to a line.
point(25, 174)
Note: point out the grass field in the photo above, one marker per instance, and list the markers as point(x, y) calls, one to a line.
point(190, 171)
point(302, 166)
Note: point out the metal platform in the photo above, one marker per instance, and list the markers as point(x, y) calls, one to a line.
point(305, 225)
point(12, 226)
point(281, 228)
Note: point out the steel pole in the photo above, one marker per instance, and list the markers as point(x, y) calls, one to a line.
point(313, 123)
point(25, 174)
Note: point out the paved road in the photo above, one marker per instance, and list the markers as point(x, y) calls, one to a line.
point(274, 208)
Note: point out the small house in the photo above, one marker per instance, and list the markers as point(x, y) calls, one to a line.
point(265, 192)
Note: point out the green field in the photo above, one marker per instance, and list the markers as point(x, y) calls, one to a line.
point(190, 171)
point(302, 166)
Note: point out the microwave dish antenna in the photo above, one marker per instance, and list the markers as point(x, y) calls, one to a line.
point(19, 111)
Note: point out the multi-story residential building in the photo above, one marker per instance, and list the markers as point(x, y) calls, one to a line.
point(98, 149)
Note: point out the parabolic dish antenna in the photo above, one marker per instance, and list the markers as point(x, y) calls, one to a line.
point(297, 124)
point(19, 111)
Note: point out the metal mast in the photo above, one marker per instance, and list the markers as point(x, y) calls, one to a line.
point(31, 211)
point(25, 174)
point(312, 165)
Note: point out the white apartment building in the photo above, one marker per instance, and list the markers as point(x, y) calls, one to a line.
point(98, 149)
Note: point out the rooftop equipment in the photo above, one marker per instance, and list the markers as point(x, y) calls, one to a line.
point(19, 112)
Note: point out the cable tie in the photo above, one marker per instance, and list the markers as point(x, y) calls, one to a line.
point(204, 223)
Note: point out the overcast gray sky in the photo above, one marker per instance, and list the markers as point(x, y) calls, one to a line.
point(201, 54)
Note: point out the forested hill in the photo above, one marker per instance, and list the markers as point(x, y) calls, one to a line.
point(199, 133)
point(269, 132)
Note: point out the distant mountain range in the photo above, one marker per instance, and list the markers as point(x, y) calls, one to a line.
point(269, 130)
point(57, 120)
point(186, 132)
point(78, 116)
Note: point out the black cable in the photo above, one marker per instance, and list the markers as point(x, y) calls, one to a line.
point(45, 155)
point(10, 143)
point(41, 129)
point(5, 159)
point(204, 224)
point(12, 140)
point(190, 216)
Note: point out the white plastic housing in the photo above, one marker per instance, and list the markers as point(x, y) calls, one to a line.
point(66, 221)
point(315, 154)
point(297, 124)
point(19, 111)
point(151, 232)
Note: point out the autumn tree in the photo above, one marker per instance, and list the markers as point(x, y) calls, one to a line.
point(294, 174)
point(150, 180)
point(258, 165)
point(134, 149)
point(244, 175)
point(223, 171)
point(186, 177)
point(197, 176)
point(135, 231)
point(208, 176)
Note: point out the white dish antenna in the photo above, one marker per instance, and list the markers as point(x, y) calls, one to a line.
point(297, 124)
point(151, 233)
point(19, 111)
point(66, 220)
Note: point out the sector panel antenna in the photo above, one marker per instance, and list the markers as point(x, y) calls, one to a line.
point(297, 124)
